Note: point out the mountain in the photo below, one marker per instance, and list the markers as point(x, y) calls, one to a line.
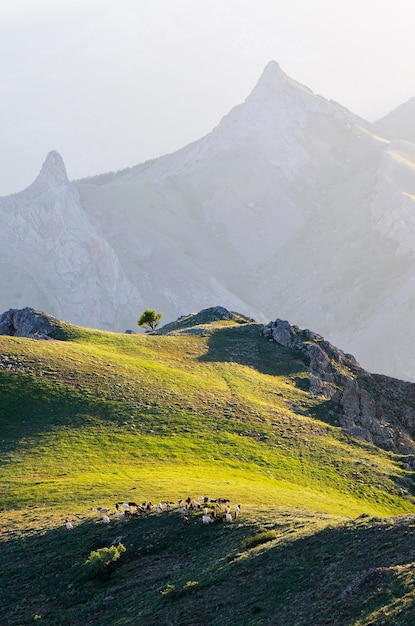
point(292, 201)
point(399, 123)
point(52, 254)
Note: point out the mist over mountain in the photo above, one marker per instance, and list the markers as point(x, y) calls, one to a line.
point(399, 123)
point(292, 206)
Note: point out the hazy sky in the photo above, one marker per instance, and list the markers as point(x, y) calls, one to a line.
point(111, 83)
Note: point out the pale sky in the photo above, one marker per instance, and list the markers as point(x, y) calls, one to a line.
point(112, 83)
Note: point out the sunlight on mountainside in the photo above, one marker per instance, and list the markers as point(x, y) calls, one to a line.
point(206, 408)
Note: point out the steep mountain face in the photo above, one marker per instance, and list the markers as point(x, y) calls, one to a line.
point(291, 203)
point(52, 256)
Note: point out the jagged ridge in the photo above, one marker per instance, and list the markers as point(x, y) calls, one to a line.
point(372, 407)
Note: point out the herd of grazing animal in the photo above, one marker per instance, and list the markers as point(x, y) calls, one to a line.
point(214, 510)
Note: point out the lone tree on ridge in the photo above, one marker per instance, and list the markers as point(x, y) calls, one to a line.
point(149, 319)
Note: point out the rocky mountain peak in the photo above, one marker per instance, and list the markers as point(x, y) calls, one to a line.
point(273, 80)
point(284, 99)
point(53, 173)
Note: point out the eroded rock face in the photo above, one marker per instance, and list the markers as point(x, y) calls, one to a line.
point(377, 409)
point(28, 322)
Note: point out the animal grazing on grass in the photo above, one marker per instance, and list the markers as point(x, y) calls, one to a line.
point(127, 507)
point(220, 501)
point(212, 510)
point(68, 525)
point(137, 514)
point(102, 511)
point(193, 505)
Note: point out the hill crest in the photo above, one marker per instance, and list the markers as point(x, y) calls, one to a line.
point(374, 408)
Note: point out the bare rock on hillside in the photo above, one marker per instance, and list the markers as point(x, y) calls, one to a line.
point(282, 332)
point(28, 322)
point(377, 409)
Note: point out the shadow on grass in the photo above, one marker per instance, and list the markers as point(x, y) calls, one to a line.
point(333, 576)
point(31, 405)
point(245, 345)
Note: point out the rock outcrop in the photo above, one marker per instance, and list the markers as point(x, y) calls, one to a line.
point(377, 409)
point(29, 323)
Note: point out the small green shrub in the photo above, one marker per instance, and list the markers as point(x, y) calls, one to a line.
point(259, 537)
point(170, 590)
point(100, 563)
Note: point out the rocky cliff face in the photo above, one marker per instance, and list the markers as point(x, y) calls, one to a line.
point(52, 256)
point(377, 409)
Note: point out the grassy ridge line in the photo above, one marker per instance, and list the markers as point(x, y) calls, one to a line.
point(104, 412)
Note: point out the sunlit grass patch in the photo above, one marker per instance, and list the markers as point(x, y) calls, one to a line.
point(101, 418)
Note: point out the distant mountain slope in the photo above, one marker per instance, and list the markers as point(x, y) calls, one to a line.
point(399, 123)
point(53, 256)
point(291, 202)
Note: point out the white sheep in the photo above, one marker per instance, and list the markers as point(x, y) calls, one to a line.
point(228, 517)
point(206, 519)
point(105, 519)
point(68, 525)
point(237, 510)
point(102, 511)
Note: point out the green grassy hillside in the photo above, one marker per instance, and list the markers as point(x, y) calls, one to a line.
point(93, 418)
